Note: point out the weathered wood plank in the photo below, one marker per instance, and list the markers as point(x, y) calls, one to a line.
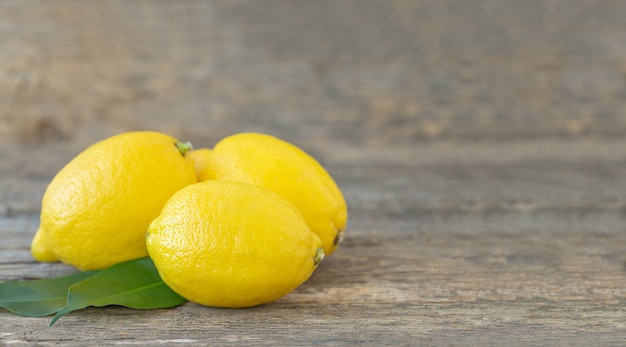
point(398, 290)
point(485, 323)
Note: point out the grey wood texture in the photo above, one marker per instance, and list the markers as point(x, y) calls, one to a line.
point(480, 145)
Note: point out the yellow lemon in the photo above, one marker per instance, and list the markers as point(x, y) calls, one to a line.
point(201, 158)
point(227, 244)
point(283, 168)
point(96, 210)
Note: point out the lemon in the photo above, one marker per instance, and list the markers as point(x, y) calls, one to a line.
point(227, 244)
point(97, 208)
point(283, 168)
point(201, 158)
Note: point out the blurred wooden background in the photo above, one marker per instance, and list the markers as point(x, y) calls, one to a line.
point(356, 72)
point(480, 144)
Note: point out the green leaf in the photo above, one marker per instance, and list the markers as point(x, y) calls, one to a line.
point(134, 284)
point(38, 297)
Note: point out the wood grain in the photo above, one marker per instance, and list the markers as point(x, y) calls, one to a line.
point(479, 144)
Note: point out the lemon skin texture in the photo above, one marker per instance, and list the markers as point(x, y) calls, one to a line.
point(96, 210)
point(201, 159)
point(283, 168)
point(227, 244)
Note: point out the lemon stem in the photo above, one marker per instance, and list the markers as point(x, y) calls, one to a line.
point(184, 147)
point(339, 237)
point(319, 256)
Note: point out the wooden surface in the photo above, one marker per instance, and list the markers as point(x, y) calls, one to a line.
point(481, 146)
